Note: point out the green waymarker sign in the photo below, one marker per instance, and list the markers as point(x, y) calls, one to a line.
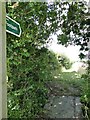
point(13, 27)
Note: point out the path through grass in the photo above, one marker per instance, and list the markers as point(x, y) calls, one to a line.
point(67, 83)
point(64, 96)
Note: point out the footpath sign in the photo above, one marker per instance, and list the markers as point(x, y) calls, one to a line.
point(13, 27)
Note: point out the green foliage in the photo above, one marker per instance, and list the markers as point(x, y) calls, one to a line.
point(64, 61)
point(63, 39)
point(29, 62)
point(85, 98)
point(81, 55)
point(75, 26)
point(26, 80)
point(42, 19)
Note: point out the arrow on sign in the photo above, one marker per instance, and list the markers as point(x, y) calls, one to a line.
point(13, 27)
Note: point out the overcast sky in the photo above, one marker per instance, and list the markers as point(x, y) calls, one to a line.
point(71, 51)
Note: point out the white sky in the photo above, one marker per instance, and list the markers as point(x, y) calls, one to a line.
point(71, 51)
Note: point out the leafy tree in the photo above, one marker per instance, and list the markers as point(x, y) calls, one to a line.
point(64, 61)
point(43, 19)
point(30, 64)
point(27, 75)
point(75, 26)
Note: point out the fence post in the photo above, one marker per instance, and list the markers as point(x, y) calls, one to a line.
point(3, 84)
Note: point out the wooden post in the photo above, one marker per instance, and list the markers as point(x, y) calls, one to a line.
point(3, 84)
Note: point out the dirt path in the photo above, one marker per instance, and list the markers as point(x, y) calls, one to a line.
point(64, 101)
point(58, 89)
